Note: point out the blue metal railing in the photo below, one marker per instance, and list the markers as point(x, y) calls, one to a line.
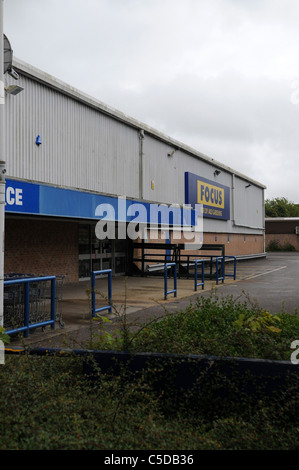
point(27, 326)
point(174, 290)
point(202, 283)
point(223, 274)
point(234, 274)
point(94, 310)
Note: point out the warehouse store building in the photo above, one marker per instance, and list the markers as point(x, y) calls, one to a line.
point(67, 154)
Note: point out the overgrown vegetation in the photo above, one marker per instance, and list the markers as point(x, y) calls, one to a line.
point(275, 245)
point(3, 336)
point(48, 403)
point(217, 326)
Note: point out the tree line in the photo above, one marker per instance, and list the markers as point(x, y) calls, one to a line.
point(281, 207)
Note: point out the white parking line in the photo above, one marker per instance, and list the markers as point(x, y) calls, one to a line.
point(267, 272)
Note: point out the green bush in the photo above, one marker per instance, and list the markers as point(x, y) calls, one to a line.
point(48, 403)
point(214, 326)
point(288, 247)
point(274, 245)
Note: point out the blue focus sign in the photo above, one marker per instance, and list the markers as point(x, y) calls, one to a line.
point(214, 197)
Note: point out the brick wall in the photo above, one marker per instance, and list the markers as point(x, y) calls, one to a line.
point(46, 247)
point(235, 244)
point(282, 231)
point(283, 239)
point(41, 247)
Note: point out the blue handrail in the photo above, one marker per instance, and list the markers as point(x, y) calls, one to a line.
point(221, 277)
point(223, 274)
point(234, 275)
point(202, 283)
point(94, 310)
point(27, 326)
point(174, 290)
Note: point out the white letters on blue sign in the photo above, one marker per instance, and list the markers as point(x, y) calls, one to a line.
point(14, 196)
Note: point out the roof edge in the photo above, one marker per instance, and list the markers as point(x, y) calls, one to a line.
point(281, 219)
point(78, 95)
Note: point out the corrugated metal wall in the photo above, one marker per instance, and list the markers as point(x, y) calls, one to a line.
point(248, 204)
point(169, 183)
point(84, 148)
point(81, 148)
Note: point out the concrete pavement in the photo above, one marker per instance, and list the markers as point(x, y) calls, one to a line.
point(272, 282)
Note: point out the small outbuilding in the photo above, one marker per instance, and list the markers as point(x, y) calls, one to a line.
point(282, 233)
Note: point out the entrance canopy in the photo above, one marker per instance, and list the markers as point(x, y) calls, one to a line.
point(39, 199)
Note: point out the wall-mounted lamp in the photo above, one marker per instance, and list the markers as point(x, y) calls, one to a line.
point(13, 73)
point(13, 89)
point(38, 140)
point(217, 172)
point(248, 185)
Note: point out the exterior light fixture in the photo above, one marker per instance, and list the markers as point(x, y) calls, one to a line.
point(13, 89)
point(12, 72)
point(217, 172)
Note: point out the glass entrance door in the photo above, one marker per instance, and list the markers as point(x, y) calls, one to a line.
point(120, 256)
point(84, 252)
point(102, 255)
point(95, 254)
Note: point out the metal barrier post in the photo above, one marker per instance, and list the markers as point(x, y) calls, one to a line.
point(94, 310)
point(174, 290)
point(27, 326)
point(223, 275)
point(220, 278)
point(202, 283)
point(53, 303)
point(26, 309)
point(235, 267)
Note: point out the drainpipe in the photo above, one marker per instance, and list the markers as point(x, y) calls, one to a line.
point(233, 198)
point(141, 137)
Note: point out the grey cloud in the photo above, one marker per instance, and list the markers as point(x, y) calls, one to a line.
point(214, 74)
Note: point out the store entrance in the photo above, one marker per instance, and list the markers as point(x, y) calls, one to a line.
point(96, 255)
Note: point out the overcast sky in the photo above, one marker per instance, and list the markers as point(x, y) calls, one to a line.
point(221, 76)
